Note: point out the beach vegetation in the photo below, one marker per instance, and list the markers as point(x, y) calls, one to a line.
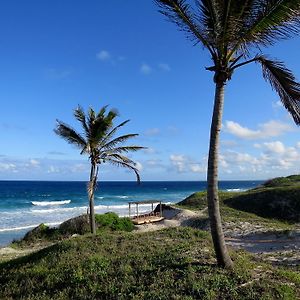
point(99, 141)
point(174, 263)
point(44, 234)
point(234, 34)
point(198, 201)
point(112, 221)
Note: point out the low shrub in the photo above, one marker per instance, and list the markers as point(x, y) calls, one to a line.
point(112, 221)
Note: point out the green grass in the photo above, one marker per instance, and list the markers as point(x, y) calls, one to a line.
point(283, 181)
point(277, 200)
point(175, 263)
point(282, 203)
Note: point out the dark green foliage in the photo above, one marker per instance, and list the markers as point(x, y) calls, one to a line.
point(283, 181)
point(112, 221)
point(170, 264)
point(197, 200)
point(41, 232)
point(281, 203)
point(78, 225)
point(278, 198)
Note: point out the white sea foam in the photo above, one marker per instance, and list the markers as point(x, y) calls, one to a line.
point(27, 227)
point(122, 197)
point(48, 203)
point(58, 210)
point(234, 190)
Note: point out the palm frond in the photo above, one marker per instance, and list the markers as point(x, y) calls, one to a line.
point(99, 124)
point(120, 139)
point(80, 116)
point(284, 83)
point(111, 133)
point(70, 135)
point(126, 165)
point(209, 17)
point(126, 149)
point(119, 157)
point(271, 20)
point(180, 13)
point(102, 111)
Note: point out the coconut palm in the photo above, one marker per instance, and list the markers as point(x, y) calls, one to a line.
point(234, 32)
point(100, 143)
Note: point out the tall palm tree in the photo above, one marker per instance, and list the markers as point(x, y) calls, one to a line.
point(99, 142)
point(233, 32)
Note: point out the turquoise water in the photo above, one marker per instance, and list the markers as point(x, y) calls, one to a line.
point(25, 204)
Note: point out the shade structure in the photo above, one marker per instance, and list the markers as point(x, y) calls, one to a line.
point(151, 217)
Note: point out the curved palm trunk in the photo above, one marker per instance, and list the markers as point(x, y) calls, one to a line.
point(91, 192)
point(222, 255)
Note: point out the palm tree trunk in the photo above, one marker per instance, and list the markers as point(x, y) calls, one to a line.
point(222, 255)
point(91, 199)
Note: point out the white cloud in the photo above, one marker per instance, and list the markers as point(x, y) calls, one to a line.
point(150, 151)
point(145, 69)
point(269, 129)
point(7, 167)
point(183, 163)
point(152, 132)
point(164, 67)
point(139, 166)
point(53, 169)
point(274, 159)
point(34, 162)
point(277, 104)
point(103, 55)
point(197, 168)
point(179, 161)
point(276, 147)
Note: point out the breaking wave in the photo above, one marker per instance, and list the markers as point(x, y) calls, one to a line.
point(48, 203)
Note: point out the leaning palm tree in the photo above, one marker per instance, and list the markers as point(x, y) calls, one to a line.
point(233, 32)
point(99, 142)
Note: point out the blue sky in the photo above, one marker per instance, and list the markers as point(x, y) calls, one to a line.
point(58, 54)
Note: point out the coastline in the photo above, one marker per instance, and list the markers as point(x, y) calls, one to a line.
point(25, 205)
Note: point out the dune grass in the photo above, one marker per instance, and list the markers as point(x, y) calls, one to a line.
point(176, 263)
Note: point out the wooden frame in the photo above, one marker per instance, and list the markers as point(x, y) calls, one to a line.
point(148, 217)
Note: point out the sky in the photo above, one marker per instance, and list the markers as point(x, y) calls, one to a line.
point(58, 54)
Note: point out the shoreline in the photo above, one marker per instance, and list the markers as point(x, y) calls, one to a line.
point(279, 247)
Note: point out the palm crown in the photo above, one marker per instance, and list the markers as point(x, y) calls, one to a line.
point(233, 30)
point(98, 139)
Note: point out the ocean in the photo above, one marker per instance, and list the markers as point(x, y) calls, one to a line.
point(26, 204)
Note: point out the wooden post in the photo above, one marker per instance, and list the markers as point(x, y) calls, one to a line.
point(137, 210)
point(129, 209)
point(160, 208)
point(152, 212)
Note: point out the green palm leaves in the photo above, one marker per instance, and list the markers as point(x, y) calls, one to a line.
point(232, 30)
point(98, 140)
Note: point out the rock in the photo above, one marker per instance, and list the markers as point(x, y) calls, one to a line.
point(77, 225)
point(37, 233)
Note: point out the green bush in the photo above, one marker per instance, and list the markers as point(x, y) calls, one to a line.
point(283, 181)
point(112, 221)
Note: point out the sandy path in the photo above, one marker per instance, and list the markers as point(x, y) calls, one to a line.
point(277, 247)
